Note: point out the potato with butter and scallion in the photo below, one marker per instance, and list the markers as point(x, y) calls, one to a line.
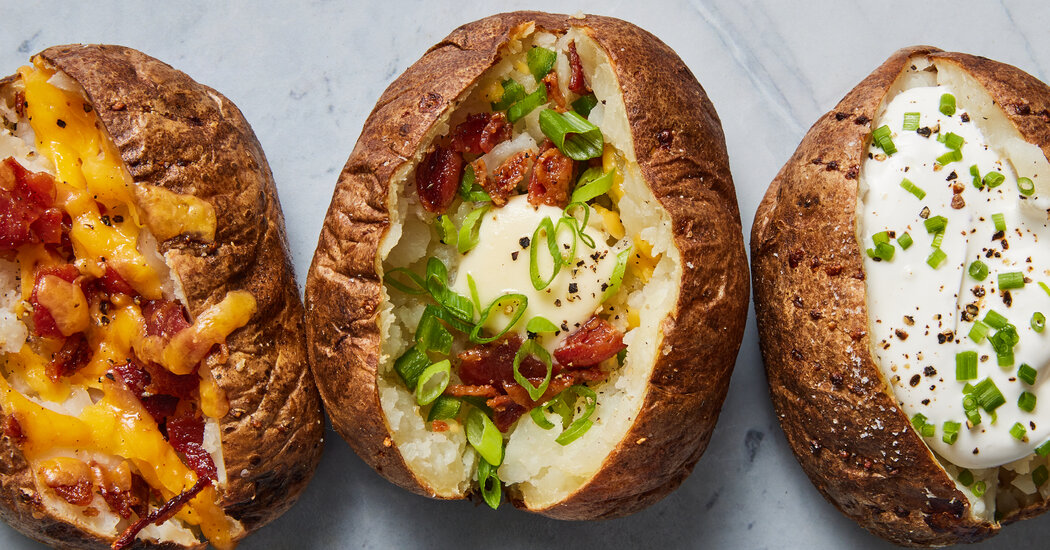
point(902, 311)
point(154, 388)
point(531, 273)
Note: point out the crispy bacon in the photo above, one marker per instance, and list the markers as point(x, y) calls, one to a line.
point(486, 391)
point(437, 178)
point(594, 342)
point(156, 388)
point(480, 133)
point(186, 435)
point(507, 177)
point(125, 492)
point(505, 412)
point(77, 494)
point(25, 197)
point(439, 426)
point(74, 355)
point(554, 91)
point(20, 104)
point(576, 81)
point(13, 430)
point(551, 178)
point(115, 284)
point(43, 323)
point(160, 515)
point(164, 318)
point(493, 364)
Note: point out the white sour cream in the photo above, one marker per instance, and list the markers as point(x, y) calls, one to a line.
point(918, 315)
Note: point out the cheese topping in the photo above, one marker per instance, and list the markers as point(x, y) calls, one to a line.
point(923, 309)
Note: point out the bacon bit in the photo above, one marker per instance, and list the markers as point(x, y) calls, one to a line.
point(480, 133)
point(493, 364)
point(43, 322)
point(437, 178)
point(74, 355)
point(69, 478)
point(115, 284)
point(507, 177)
point(160, 406)
point(439, 426)
point(20, 104)
point(554, 92)
point(134, 377)
point(123, 491)
point(186, 435)
point(155, 387)
point(160, 515)
point(78, 494)
point(13, 430)
point(25, 197)
point(465, 390)
point(505, 412)
point(164, 318)
point(551, 178)
point(594, 342)
point(576, 81)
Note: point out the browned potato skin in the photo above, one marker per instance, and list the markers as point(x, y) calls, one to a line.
point(186, 137)
point(681, 151)
point(807, 277)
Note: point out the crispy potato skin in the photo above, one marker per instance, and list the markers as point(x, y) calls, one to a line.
point(186, 137)
point(836, 409)
point(680, 148)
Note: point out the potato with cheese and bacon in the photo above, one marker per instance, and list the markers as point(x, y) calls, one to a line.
point(532, 273)
point(154, 386)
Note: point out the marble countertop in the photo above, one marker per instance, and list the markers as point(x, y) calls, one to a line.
point(307, 73)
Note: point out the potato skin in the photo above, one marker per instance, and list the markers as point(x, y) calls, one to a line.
point(836, 409)
point(680, 148)
point(186, 137)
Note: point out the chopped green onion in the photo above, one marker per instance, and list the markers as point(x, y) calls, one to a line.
point(467, 181)
point(1026, 402)
point(1038, 321)
point(1040, 475)
point(617, 275)
point(447, 317)
point(531, 347)
point(870, 252)
point(580, 224)
point(593, 183)
point(905, 241)
point(473, 292)
point(978, 332)
point(881, 137)
point(447, 231)
point(911, 122)
point(1043, 450)
point(525, 106)
point(953, 155)
point(951, 432)
point(512, 93)
point(517, 302)
point(994, 320)
point(540, 61)
point(1000, 222)
point(979, 488)
point(621, 356)
point(952, 141)
point(484, 436)
point(973, 417)
point(936, 258)
point(913, 189)
point(935, 224)
point(431, 335)
point(410, 365)
point(547, 227)
point(489, 483)
point(938, 238)
point(1005, 359)
point(1012, 279)
point(994, 179)
point(976, 173)
point(988, 395)
point(572, 134)
point(540, 418)
point(966, 365)
point(881, 237)
point(444, 407)
point(538, 325)
point(928, 430)
point(884, 251)
point(470, 233)
point(969, 401)
point(1045, 288)
point(978, 270)
point(427, 392)
point(947, 104)
point(420, 287)
point(584, 104)
point(965, 478)
point(918, 420)
point(1018, 431)
point(580, 425)
point(1025, 186)
point(1027, 374)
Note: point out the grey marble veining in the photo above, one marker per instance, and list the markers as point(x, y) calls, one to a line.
point(306, 74)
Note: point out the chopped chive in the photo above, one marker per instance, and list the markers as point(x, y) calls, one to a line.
point(881, 237)
point(965, 477)
point(978, 270)
point(617, 275)
point(1012, 279)
point(1027, 374)
point(881, 137)
point(947, 104)
point(911, 122)
point(1025, 186)
point(988, 395)
point(918, 420)
point(1043, 450)
point(994, 320)
point(938, 238)
point(1018, 431)
point(928, 430)
point(574, 135)
point(966, 365)
point(427, 392)
point(936, 258)
point(489, 483)
point(913, 189)
point(905, 241)
point(953, 155)
point(994, 179)
point(969, 401)
point(976, 173)
point(979, 488)
point(884, 251)
point(1026, 402)
point(973, 417)
point(512, 93)
point(585, 104)
point(527, 104)
point(951, 432)
point(484, 436)
point(953, 141)
point(532, 348)
point(1040, 475)
point(1045, 288)
point(935, 224)
point(540, 62)
point(1038, 322)
point(978, 332)
point(1000, 222)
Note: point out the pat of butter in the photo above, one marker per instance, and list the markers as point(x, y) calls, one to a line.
point(499, 265)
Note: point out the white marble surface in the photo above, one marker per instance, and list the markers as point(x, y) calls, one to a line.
point(306, 74)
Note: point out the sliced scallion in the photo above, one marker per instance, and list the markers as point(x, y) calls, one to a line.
point(489, 483)
point(1038, 322)
point(881, 237)
point(1027, 374)
point(1010, 280)
point(1040, 475)
point(532, 348)
point(546, 228)
point(431, 335)
point(911, 122)
point(978, 332)
point(953, 141)
point(593, 183)
point(882, 139)
point(584, 104)
point(884, 251)
point(580, 425)
point(994, 320)
point(913, 189)
point(978, 270)
point(965, 477)
point(444, 407)
point(1045, 288)
point(419, 288)
point(905, 241)
point(410, 365)
point(1000, 222)
point(936, 258)
point(994, 179)
point(938, 238)
point(513, 305)
point(617, 275)
point(572, 134)
point(539, 325)
point(540, 61)
point(988, 395)
point(484, 436)
point(953, 155)
point(979, 487)
point(976, 173)
point(512, 93)
point(433, 381)
point(966, 365)
point(947, 106)
point(539, 416)
point(1043, 450)
point(525, 106)
point(580, 224)
point(1018, 431)
point(1026, 401)
point(935, 224)
point(1025, 186)
point(473, 286)
point(951, 432)
point(470, 233)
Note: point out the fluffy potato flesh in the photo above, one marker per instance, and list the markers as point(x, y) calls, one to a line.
point(905, 287)
point(536, 467)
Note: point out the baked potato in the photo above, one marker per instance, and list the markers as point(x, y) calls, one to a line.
point(900, 291)
point(531, 271)
point(155, 387)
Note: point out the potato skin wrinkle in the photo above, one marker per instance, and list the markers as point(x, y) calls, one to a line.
point(175, 133)
point(680, 150)
point(837, 410)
